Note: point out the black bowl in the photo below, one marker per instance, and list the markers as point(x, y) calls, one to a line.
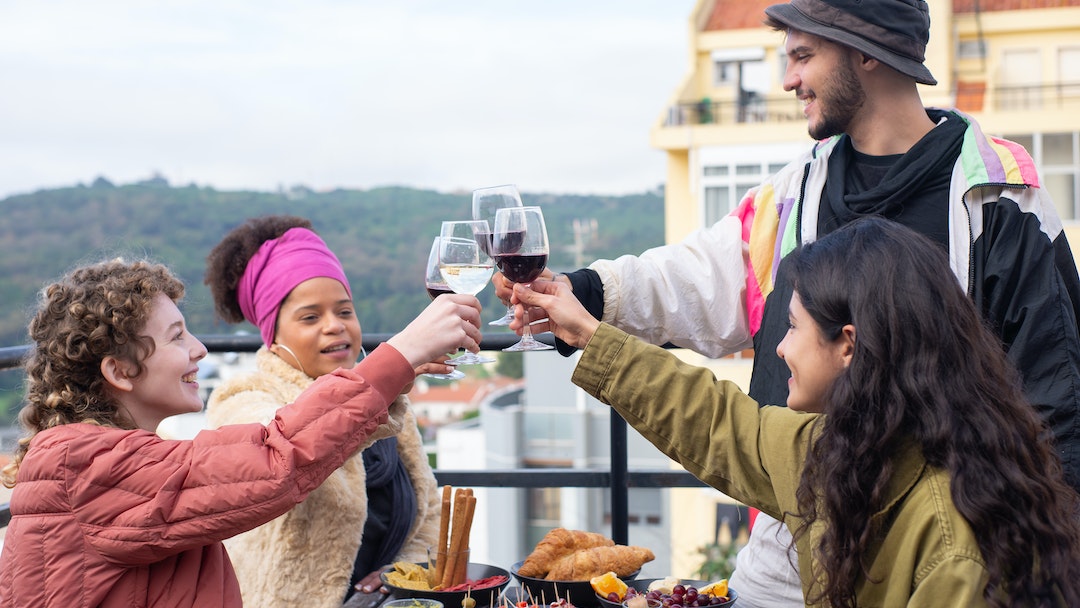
point(543, 591)
point(488, 596)
point(642, 586)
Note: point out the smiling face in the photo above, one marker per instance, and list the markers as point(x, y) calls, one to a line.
point(815, 362)
point(318, 323)
point(824, 78)
point(167, 384)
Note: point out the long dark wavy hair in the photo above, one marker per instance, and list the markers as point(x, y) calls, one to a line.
point(228, 259)
point(93, 312)
point(926, 370)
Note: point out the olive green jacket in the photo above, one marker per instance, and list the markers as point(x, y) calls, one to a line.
point(927, 556)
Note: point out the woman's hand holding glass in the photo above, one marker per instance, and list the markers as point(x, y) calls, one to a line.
point(436, 286)
point(566, 317)
point(465, 266)
point(447, 324)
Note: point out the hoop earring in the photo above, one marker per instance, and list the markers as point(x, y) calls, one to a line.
point(289, 350)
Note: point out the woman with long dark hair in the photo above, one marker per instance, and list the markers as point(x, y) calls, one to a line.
point(916, 473)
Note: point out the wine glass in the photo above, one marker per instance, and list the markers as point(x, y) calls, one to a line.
point(520, 247)
point(485, 202)
point(465, 266)
point(436, 286)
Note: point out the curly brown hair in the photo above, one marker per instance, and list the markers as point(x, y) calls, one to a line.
point(927, 370)
point(228, 259)
point(93, 312)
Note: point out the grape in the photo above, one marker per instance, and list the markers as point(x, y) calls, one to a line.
point(614, 597)
point(678, 590)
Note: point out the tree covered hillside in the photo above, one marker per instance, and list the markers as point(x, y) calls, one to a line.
point(381, 235)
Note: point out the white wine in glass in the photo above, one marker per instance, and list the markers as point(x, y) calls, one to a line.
point(465, 267)
point(436, 286)
point(485, 202)
point(520, 248)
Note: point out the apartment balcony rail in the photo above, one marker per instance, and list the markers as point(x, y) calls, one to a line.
point(1054, 96)
point(749, 108)
point(619, 479)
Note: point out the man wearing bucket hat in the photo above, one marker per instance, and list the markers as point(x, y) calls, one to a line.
point(856, 65)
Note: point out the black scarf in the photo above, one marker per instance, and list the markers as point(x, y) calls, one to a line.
point(911, 189)
point(391, 501)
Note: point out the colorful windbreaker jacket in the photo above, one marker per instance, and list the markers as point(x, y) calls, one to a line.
point(1006, 247)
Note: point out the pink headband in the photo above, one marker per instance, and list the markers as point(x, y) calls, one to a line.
point(277, 268)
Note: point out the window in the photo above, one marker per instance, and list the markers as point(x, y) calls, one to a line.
point(715, 171)
point(1021, 75)
point(1057, 157)
point(1069, 71)
point(645, 506)
point(717, 203)
point(971, 49)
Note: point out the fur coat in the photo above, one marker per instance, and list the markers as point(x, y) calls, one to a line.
point(306, 557)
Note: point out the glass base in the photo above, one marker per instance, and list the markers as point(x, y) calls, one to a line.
point(505, 319)
point(454, 375)
point(469, 359)
point(528, 343)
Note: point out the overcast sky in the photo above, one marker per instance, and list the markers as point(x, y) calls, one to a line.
point(553, 95)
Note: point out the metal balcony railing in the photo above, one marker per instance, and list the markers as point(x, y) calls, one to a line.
point(1055, 96)
point(752, 108)
point(619, 479)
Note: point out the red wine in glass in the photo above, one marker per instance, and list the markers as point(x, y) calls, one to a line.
point(483, 239)
point(437, 290)
point(522, 268)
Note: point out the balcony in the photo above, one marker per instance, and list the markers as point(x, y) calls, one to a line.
point(750, 108)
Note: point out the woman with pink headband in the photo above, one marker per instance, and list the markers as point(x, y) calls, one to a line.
point(383, 505)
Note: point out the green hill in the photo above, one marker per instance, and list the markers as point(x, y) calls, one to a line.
point(381, 235)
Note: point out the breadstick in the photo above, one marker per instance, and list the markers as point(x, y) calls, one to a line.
point(444, 531)
point(463, 564)
point(455, 540)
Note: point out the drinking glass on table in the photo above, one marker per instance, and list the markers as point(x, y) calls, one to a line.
point(465, 267)
point(520, 248)
point(485, 202)
point(436, 286)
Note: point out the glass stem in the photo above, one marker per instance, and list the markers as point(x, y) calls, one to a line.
point(526, 331)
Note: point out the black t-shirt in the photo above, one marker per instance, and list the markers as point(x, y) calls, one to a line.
point(911, 189)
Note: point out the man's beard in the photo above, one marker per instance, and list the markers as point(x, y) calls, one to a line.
point(844, 95)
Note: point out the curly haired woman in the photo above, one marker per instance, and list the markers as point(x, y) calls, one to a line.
point(910, 468)
point(107, 513)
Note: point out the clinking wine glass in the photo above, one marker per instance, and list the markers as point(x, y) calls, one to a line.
point(465, 267)
point(520, 248)
point(436, 286)
point(485, 202)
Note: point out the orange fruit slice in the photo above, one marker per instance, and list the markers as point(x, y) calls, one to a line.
point(717, 589)
point(607, 583)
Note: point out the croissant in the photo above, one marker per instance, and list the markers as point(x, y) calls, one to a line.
point(585, 564)
point(557, 543)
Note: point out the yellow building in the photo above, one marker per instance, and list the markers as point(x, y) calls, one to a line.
point(730, 123)
point(1014, 65)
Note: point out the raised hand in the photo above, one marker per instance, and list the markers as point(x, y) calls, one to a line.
point(450, 322)
point(566, 317)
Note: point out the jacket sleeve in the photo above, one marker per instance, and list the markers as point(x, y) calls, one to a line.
point(1025, 287)
point(692, 293)
point(719, 434)
point(147, 498)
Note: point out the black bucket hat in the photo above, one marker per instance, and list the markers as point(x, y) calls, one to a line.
point(894, 32)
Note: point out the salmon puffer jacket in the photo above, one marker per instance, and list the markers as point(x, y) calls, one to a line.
point(125, 519)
